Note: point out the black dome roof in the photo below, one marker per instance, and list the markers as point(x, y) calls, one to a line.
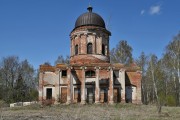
point(90, 18)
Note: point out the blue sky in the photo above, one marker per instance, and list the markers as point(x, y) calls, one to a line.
point(38, 30)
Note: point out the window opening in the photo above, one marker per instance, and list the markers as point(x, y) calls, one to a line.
point(103, 49)
point(90, 73)
point(76, 49)
point(64, 73)
point(89, 48)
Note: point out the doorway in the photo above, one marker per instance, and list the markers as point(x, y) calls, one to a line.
point(63, 94)
point(104, 95)
point(90, 95)
point(48, 93)
point(77, 95)
point(128, 95)
point(116, 95)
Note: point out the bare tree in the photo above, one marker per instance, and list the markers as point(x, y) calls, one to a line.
point(153, 63)
point(122, 53)
point(62, 60)
point(172, 63)
point(142, 63)
point(14, 76)
point(27, 72)
point(9, 76)
point(47, 63)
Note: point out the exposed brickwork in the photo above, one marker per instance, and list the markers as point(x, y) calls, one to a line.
point(83, 100)
point(69, 86)
point(52, 79)
point(90, 77)
point(97, 89)
point(82, 36)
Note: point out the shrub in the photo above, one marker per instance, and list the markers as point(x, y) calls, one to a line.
point(3, 104)
point(171, 100)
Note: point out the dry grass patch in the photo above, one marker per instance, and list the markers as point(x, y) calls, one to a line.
point(91, 112)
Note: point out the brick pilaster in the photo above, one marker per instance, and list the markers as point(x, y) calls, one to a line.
point(68, 86)
point(97, 90)
point(83, 98)
point(111, 86)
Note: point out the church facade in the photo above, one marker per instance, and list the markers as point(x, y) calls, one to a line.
point(90, 77)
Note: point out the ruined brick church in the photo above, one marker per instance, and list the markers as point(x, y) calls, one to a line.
point(90, 77)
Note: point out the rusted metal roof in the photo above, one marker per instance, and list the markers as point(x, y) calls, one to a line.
point(134, 77)
point(49, 68)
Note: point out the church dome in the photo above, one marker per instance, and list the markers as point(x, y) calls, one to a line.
point(90, 18)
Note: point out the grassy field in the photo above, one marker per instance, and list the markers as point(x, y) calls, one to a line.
point(90, 112)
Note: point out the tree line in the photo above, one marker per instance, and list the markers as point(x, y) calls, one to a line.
point(18, 80)
point(160, 76)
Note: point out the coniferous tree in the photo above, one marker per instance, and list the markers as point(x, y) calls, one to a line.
point(20, 89)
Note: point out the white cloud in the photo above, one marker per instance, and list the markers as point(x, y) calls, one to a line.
point(142, 12)
point(155, 9)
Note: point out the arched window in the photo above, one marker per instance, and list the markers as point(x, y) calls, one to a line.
point(76, 49)
point(103, 49)
point(89, 48)
point(90, 73)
